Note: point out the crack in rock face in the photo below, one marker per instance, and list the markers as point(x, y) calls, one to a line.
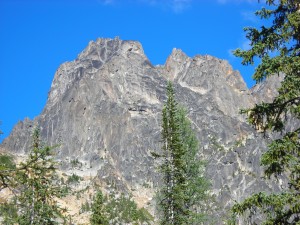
point(104, 109)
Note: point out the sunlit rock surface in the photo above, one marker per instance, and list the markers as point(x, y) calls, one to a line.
point(104, 109)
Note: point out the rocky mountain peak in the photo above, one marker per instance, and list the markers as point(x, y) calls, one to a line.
point(103, 49)
point(92, 59)
point(178, 64)
point(175, 63)
point(210, 77)
point(100, 50)
point(104, 108)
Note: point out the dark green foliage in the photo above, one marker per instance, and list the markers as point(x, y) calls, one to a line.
point(8, 212)
point(122, 209)
point(98, 216)
point(7, 166)
point(76, 163)
point(144, 217)
point(65, 190)
point(173, 167)
point(7, 162)
point(184, 187)
point(74, 179)
point(118, 209)
point(196, 191)
point(34, 183)
point(282, 39)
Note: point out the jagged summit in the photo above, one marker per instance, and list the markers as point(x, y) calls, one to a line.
point(178, 65)
point(104, 48)
point(104, 108)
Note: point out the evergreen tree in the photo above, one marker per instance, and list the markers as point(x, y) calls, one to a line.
point(7, 166)
point(184, 186)
point(36, 192)
point(197, 189)
point(173, 167)
point(117, 209)
point(278, 47)
point(98, 216)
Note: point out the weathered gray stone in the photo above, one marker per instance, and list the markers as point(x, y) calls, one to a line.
point(104, 108)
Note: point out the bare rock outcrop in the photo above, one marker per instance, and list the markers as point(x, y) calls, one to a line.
point(104, 109)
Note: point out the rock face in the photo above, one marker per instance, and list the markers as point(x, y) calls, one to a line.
point(104, 108)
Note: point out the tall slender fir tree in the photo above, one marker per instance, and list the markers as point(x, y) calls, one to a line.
point(173, 168)
point(183, 180)
point(198, 197)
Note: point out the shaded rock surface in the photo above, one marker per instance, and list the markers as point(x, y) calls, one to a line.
point(104, 109)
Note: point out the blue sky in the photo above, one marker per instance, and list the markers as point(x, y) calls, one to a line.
point(39, 35)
